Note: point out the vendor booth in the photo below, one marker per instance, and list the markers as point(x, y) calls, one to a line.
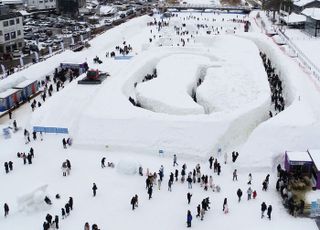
point(80, 68)
point(28, 88)
point(299, 163)
point(10, 98)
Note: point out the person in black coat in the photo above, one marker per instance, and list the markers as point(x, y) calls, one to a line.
point(150, 190)
point(49, 218)
point(225, 201)
point(6, 167)
point(31, 152)
point(219, 169)
point(133, 202)
point(6, 210)
point(210, 162)
point(29, 158)
point(70, 202)
point(10, 165)
point(263, 209)
point(269, 212)
point(176, 174)
point(64, 143)
point(198, 210)
point(63, 213)
point(103, 160)
point(46, 225)
point(239, 193)
point(67, 207)
point(56, 221)
point(94, 189)
point(34, 135)
point(189, 195)
point(171, 176)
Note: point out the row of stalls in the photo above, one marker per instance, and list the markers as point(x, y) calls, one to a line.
point(20, 93)
point(306, 163)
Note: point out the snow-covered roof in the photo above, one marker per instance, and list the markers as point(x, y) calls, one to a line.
point(312, 12)
point(303, 2)
point(24, 13)
point(294, 18)
point(11, 2)
point(94, 17)
point(315, 155)
point(8, 93)
point(10, 82)
point(299, 156)
point(107, 10)
point(24, 84)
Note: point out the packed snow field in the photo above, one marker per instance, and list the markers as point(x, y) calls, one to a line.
point(230, 112)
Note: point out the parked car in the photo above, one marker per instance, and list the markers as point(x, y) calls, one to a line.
point(42, 39)
point(29, 36)
point(57, 40)
point(26, 50)
point(34, 47)
point(16, 54)
point(108, 22)
point(48, 42)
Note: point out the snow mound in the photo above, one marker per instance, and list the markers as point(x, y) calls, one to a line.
point(33, 201)
point(128, 166)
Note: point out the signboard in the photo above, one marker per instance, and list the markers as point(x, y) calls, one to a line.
point(315, 209)
point(297, 162)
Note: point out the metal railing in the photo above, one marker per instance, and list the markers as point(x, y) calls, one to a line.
point(315, 71)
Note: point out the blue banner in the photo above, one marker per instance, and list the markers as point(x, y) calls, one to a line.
point(50, 129)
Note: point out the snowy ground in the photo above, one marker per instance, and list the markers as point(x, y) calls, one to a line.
point(102, 115)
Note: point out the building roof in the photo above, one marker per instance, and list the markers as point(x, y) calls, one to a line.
point(299, 156)
point(303, 2)
point(312, 12)
point(294, 18)
point(24, 84)
point(12, 2)
point(24, 13)
point(10, 15)
point(8, 92)
point(315, 155)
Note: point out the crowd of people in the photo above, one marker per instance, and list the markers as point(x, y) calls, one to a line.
point(277, 98)
point(295, 206)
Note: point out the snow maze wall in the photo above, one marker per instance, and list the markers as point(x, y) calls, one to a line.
point(233, 99)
